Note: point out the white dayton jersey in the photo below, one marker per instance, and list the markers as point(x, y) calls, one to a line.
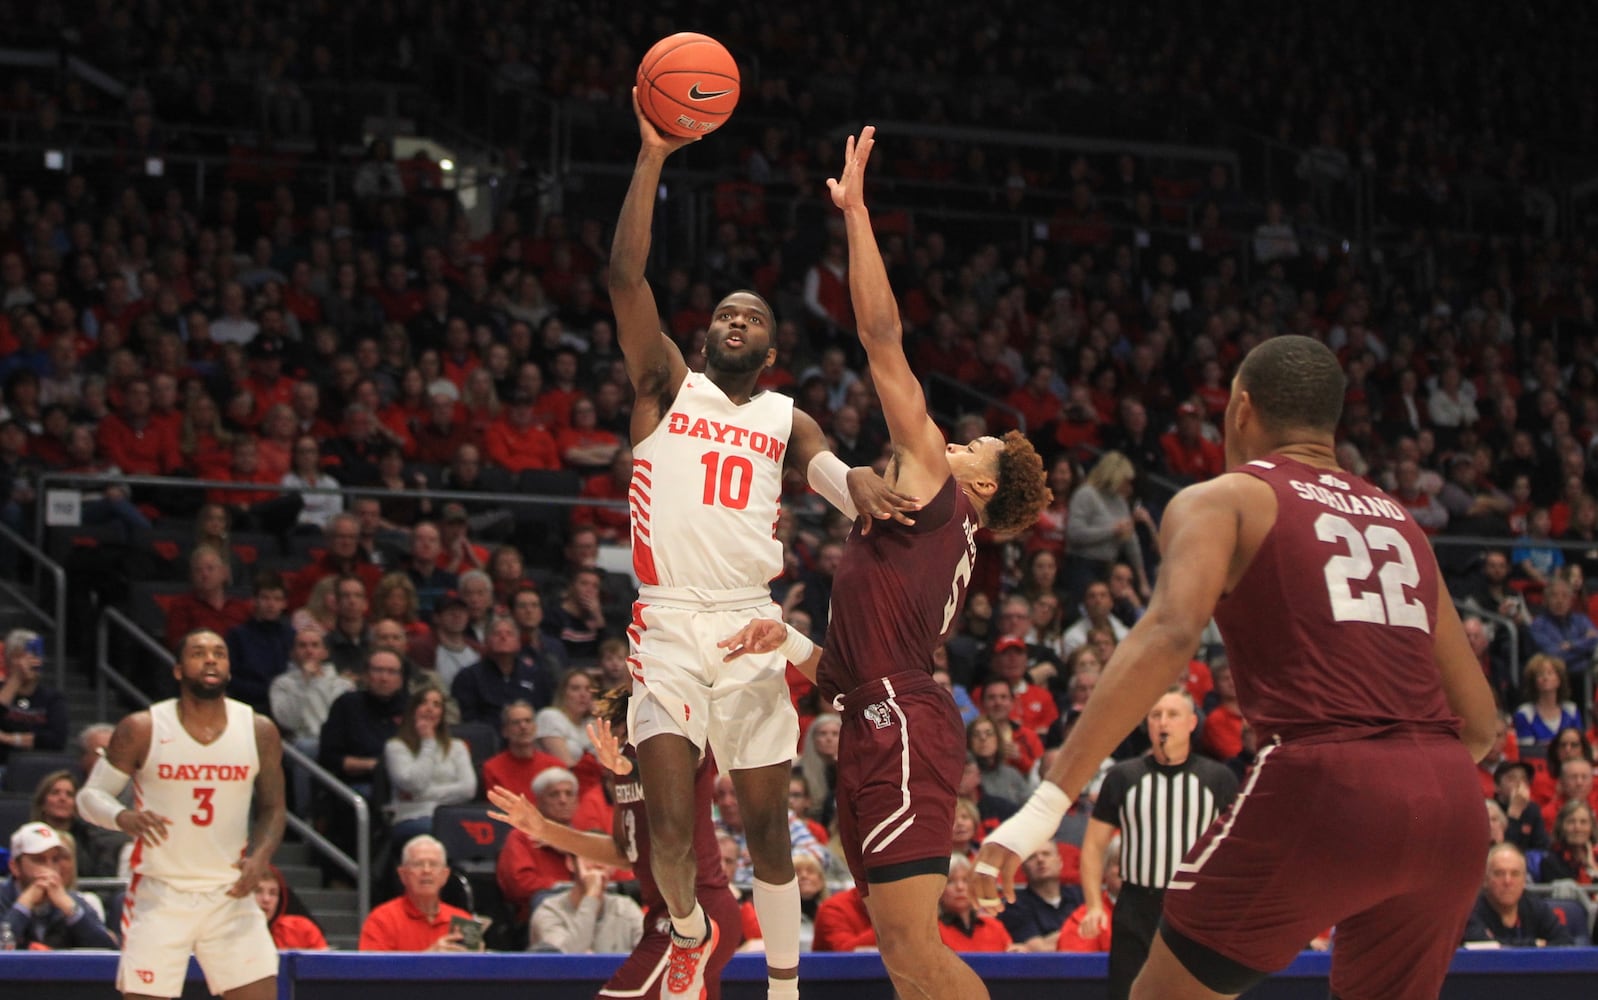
point(204, 790)
point(705, 492)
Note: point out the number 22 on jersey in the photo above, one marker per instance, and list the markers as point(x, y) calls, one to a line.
point(1390, 606)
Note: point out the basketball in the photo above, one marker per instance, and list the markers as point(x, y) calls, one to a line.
point(687, 84)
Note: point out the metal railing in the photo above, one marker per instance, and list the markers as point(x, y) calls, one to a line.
point(984, 402)
point(55, 620)
point(1511, 629)
point(59, 480)
point(358, 867)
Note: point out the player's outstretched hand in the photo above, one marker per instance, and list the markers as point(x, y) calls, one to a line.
point(252, 869)
point(515, 810)
point(655, 140)
point(848, 188)
point(763, 635)
point(875, 500)
point(143, 825)
point(607, 748)
point(994, 875)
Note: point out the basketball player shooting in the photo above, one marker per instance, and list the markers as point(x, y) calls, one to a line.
point(1353, 668)
point(195, 760)
point(896, 594)
point(709, 453)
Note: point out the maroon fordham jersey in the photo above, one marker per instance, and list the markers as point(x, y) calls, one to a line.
point(1329, 632)
point(897, 592)
point(633, 820)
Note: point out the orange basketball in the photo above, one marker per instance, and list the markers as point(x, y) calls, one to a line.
point(688, 84)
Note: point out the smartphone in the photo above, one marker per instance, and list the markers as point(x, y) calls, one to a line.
point(471, 932)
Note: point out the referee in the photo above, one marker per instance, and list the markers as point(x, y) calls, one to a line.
point(1162, 802)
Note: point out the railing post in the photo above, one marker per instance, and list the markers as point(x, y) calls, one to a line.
point(59, 575)
point(363, 856)
point(102, 636)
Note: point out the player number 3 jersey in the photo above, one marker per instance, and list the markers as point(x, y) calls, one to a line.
point(705, 491)
point(204, 790)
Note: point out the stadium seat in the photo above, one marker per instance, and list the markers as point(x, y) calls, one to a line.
point(549, 482)
point(481, 739)
point(471, 840)
point(14, 811)
point(25, 769)
point(1574, 916)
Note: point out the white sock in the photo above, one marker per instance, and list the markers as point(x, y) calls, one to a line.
point(777, 907)
point(692, 928)
point(782, 989)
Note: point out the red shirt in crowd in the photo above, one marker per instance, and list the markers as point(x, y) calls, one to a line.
point(612, 524)
point(186, 612)
point(985, 934)
point(151, 450)
point(1201, 460)
point(507, 770)
point(1071, 938)
point(526, 868)
point(843, 923)
point(398, 925)
point(1034, 708)
point(520, 448)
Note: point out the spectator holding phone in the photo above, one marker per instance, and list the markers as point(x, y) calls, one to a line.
point(418, 920)
point(33, 715)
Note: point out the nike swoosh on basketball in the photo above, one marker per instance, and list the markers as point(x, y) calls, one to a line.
point(695, 94)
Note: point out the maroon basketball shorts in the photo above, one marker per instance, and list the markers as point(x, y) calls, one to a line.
point(1382, 839)
point(643, 975)
point(900, 754)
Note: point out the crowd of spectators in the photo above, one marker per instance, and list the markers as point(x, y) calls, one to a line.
point(423, 649)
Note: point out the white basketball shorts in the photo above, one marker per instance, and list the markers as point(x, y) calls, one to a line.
point(163, 926)
point(681, 686)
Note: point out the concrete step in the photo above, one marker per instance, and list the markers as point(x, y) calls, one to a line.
point(343, 942)
point(307, 875)
point(330, 900)
point(340, 925)
point(293, 852)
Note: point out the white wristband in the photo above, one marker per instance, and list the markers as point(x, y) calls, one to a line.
point(1035, 823)
point(797, 647)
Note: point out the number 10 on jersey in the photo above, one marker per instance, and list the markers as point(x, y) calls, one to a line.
point(728, 480)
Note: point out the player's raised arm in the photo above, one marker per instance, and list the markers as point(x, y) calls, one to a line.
point(654, 364)
point(877, 315)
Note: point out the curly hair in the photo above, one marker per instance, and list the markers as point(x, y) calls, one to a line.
point(1023, 488)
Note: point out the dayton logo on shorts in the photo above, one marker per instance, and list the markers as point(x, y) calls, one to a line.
point(145, 975)
point(877, 715)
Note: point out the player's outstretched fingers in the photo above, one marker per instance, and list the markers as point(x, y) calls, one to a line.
point(985, 889)
point(763, 635)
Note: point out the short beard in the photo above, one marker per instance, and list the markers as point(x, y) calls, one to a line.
point(203, 691)
point(734, 364)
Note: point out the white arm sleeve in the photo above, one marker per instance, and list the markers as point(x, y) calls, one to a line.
point(97, 799)
point(1034, 823)
point(830, 477)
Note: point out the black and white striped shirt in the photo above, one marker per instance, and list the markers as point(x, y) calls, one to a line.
point(1162, 810)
